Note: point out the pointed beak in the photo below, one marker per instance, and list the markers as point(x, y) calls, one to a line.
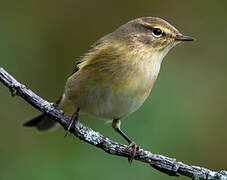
point(181, 37)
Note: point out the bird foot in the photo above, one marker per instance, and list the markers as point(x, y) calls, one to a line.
point(72, 122)
point(135, 149)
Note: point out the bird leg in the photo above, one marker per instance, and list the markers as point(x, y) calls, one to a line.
point(73, 121)
point(132, 145)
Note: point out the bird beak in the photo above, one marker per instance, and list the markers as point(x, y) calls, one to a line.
point(181, 37)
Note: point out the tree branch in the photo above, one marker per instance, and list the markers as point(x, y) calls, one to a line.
point(164, 164)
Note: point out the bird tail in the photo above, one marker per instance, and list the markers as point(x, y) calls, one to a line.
point(43, 121)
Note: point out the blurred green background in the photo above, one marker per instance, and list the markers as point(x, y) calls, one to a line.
point(185, 116)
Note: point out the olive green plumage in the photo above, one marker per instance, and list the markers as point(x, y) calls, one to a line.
point(114, 78)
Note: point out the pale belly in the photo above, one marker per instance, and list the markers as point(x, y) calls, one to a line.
point(114, 99)
point(110, 104)
point(111, 93)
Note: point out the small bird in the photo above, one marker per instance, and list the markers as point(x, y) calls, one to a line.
point(116, 75)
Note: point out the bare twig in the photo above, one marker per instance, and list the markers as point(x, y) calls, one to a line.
point(164, 164)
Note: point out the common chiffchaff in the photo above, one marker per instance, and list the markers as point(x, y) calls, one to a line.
point(115, 77)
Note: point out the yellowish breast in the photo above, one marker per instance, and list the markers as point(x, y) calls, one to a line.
point(113, 87)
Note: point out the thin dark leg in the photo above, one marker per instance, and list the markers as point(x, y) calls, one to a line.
point(73, 121)
point(116, 125)
point(124, 135)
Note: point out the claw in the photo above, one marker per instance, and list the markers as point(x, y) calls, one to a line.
point(135, 149)
point(72, 122)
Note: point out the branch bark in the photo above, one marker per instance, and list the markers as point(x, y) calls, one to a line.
point(164, 164)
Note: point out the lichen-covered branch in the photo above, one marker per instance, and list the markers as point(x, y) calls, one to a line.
point(164, 164)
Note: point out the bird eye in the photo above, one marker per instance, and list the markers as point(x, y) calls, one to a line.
point(157, 32)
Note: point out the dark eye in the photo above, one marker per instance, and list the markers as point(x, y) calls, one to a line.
point(157, 32)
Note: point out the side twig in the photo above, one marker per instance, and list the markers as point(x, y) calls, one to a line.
point(164, 164)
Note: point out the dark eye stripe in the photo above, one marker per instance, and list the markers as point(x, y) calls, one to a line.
point(149, 28)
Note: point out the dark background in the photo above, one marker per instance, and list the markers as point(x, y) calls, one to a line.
point(184, 117)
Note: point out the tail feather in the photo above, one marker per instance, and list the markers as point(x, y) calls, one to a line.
point(42, 122)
